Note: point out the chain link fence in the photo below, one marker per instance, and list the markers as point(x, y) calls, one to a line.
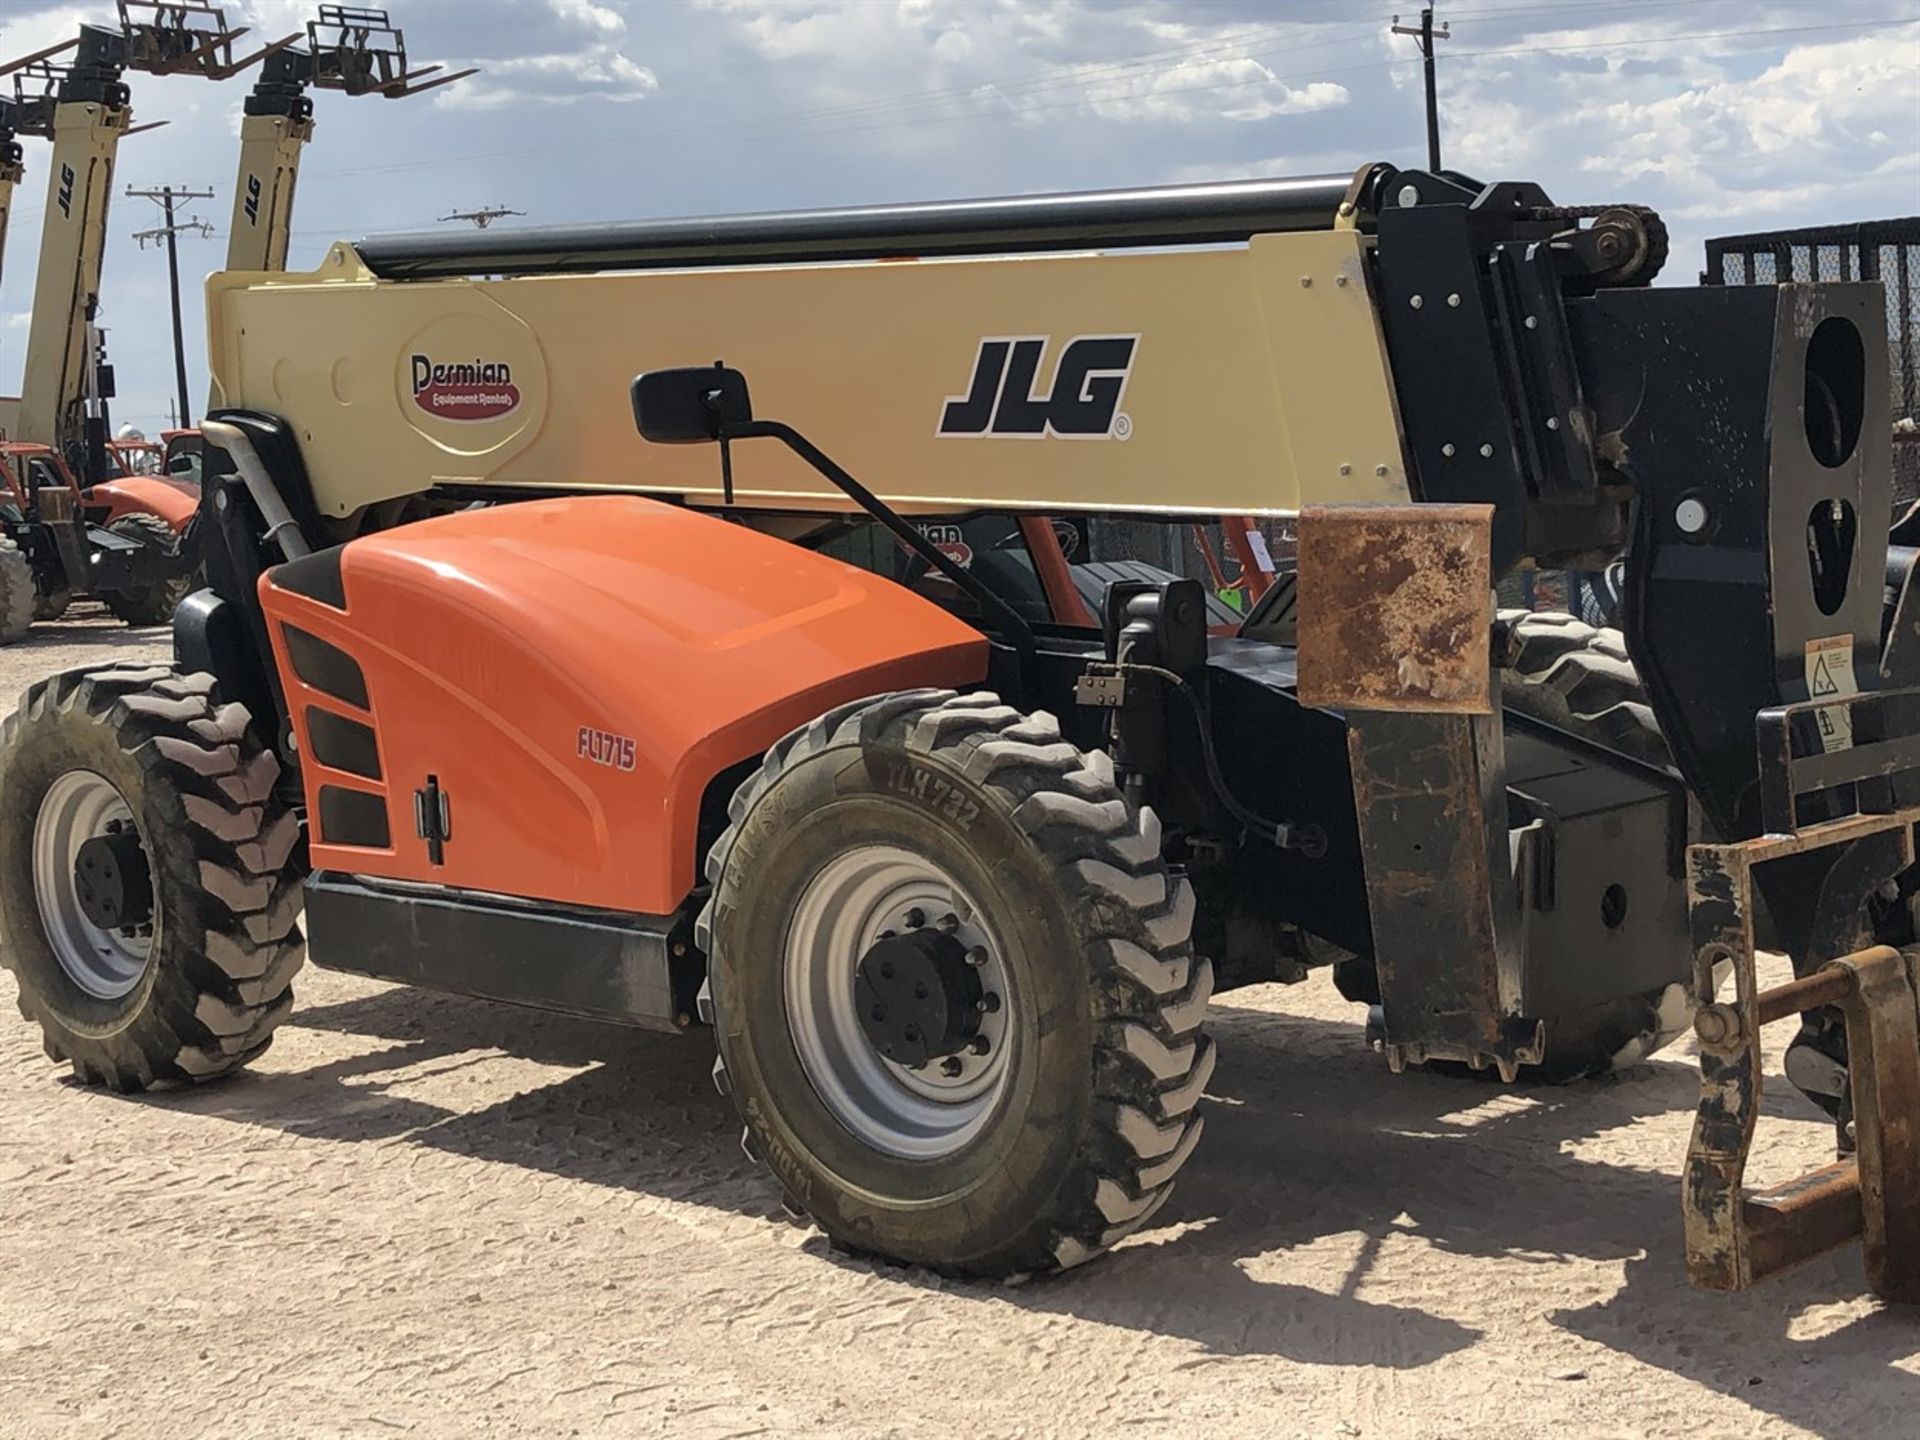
point(1884, 250)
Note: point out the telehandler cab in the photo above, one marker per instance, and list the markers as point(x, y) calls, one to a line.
point(520, 705)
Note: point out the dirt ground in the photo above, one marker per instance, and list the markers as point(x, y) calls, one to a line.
point(431, 1216)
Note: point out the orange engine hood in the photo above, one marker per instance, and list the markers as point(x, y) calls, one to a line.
point(572, 673)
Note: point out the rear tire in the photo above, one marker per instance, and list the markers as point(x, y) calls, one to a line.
point(1578, 678)
point(16, 593)
point(218, 872)
point(154, 602)
point(1096, 1108)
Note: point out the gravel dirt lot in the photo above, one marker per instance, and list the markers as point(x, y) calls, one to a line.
point(429, 1216)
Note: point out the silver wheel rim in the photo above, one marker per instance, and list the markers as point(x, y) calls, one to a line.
point(855, 899)
point(106, 964)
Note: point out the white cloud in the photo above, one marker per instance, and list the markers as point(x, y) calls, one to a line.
point(597, 19)
point(1822, 105)
point(1234, 89)
point(23, 34)
point(600, 73)
point(952, 46)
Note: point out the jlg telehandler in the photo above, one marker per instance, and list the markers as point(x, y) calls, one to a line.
point(521, 704)
point(57, 537)
point(111, 532)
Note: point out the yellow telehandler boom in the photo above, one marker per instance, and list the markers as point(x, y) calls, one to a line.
point(349, 48)
point(13, 122)
point(90, 111)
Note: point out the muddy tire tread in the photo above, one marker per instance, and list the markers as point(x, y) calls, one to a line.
point(228, 982)
point(1149, 990)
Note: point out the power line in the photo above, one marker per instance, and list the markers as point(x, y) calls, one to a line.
point(169, 232)
point(1426, 35)
point(1477, 54)
point(482, 218)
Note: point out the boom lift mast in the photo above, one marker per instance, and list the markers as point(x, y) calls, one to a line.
point(12, 158)
point(68, 525)
point(90, 111)
point(22, 113)
point(350, 49)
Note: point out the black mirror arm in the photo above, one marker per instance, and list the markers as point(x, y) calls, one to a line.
point(721, 433)
point(1013, 623)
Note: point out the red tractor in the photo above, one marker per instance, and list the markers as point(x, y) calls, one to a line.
point(126, 540)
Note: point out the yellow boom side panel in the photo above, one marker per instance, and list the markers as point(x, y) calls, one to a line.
point(1257, 381)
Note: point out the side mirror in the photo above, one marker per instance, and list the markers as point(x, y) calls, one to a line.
point(690, 406)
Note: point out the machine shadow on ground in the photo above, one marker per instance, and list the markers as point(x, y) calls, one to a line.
point(1308, 1137)
point(87, 626)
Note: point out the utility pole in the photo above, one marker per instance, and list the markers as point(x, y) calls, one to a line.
point(1426, 35)
point(169, 231)
point(480, 219)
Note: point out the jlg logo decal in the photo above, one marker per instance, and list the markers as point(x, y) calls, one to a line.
point(65, 197)
point(1081, 403)
point(253, 200)
point(470, 390)
point(603, 747)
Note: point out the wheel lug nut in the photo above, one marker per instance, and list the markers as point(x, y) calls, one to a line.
point(977, 956)
point(916, 917)
point(951, 1067)
point(989, 1003)
point(981, 1045)
point(949, 923)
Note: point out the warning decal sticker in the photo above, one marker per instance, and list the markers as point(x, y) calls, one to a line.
point(1830, 674)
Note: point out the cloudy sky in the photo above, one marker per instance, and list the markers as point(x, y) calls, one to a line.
point(1727, 115)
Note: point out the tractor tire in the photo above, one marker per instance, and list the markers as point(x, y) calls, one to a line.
point(16, 593)
point(1577, 678)
point(963, 823)
point(149, 877)
point(154, 602)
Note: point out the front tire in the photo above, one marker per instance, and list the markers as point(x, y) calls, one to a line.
point(992, 826)
point(149, 877)
point(153, 602)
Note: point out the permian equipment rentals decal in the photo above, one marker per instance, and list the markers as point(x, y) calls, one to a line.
point(470, 390)
point(1081, 403)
